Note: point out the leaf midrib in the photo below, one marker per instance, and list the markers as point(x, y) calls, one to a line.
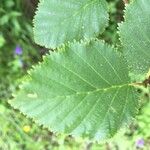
point(96, 90)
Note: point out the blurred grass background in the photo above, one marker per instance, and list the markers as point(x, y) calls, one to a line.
point(18, 53)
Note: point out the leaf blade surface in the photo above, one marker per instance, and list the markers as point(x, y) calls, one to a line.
point(58, 22)
point(82, 90)
point(135, 36)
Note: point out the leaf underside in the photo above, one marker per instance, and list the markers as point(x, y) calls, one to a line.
point(135, 36)
point(59, 21)
point(83, 90)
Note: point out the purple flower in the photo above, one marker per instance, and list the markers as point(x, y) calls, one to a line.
point(140, 143)
point(18, 50)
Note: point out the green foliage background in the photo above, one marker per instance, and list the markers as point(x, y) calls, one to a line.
point(16, 131)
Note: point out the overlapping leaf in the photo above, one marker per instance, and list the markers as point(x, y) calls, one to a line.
point(135, 36)
point(60, 21)
point(82, 90)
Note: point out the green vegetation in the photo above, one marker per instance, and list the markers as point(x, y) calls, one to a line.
point(18, 53)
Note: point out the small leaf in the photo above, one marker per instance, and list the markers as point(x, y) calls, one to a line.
point(135, 36)
point(82, 90)
point(58, 22)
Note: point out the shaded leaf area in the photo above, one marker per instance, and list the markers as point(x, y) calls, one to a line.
point(57, 22)
point(83, 90)
point(135, 36)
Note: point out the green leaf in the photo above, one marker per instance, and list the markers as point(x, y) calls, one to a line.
point(83, 89)
point(135, 36)
point(58, 22)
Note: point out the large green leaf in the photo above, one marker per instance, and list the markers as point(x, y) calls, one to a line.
point(82, 90)
point(60, 21)
point(135, 36)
